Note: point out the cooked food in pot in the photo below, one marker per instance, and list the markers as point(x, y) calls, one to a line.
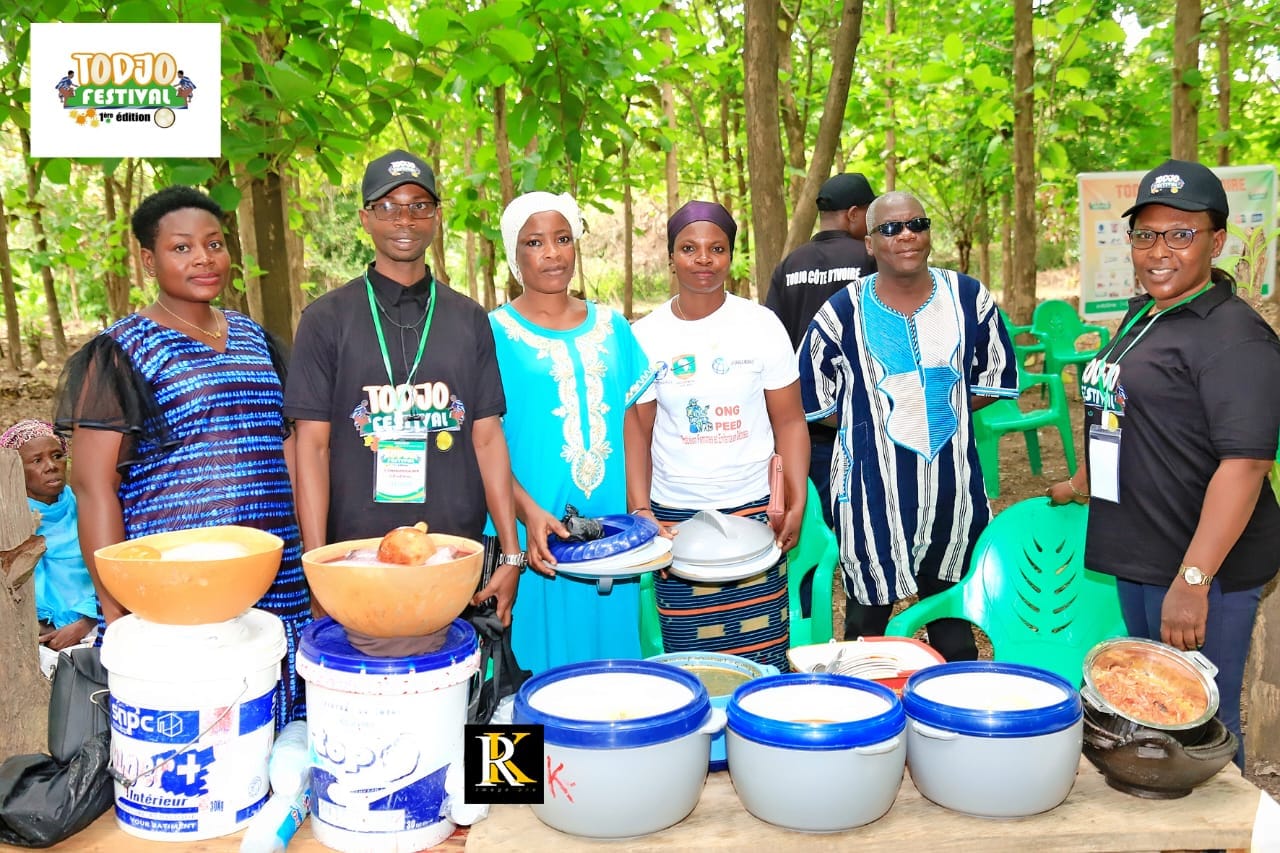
point(719, 681)
point(1149, 688)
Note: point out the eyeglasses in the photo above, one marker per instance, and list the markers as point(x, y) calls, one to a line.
point(893, 229)
point(1175, 238)
point(389, 210)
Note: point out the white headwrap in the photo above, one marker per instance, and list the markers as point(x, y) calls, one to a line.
point(525, 206)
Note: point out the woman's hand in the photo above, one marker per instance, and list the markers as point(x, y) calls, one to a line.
point(1184, 614)
point(538, 526)
point(1063, 493)
point(502, 587)
point(786, 527)
point(68, 635)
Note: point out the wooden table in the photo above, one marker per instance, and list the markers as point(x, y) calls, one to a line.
point(1219, 814)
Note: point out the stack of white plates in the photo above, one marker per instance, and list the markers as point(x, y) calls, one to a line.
point(712, 547)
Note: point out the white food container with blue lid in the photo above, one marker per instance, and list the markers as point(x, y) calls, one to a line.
point(818, 753)
point(627, 744)
point(992, 739)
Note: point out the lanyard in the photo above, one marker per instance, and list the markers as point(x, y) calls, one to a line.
point(1136, 317)
point(382, 341)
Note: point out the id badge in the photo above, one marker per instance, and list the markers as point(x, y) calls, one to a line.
point(400, 471)
point(1104, 463)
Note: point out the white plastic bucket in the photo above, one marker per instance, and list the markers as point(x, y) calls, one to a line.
point(384, 734)
point(192, 721)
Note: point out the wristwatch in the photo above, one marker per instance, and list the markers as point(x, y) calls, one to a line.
point(518, 559)
point(1194, 576)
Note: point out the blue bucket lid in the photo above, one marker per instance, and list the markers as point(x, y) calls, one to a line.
point(324, 643)
point(984, 722)
point(615, 734)
point(816, 736)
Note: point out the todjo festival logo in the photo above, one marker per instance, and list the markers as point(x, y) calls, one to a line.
point(125, 90)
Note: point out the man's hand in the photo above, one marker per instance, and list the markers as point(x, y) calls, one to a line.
point(502, 586)
point(68, 635)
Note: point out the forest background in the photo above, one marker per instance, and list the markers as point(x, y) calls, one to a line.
point(986, 110)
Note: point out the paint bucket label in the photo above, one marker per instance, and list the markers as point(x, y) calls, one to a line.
point(193, 772)
point(384, 733)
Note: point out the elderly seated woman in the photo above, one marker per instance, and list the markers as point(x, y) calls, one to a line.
point(66, 605)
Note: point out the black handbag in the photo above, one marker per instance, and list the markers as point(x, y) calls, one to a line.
point(78, 703)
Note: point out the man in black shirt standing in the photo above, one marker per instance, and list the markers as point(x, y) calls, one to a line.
point(395, 392)
point(812, 274)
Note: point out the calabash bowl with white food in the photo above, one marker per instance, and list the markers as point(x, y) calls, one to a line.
point(198, 576)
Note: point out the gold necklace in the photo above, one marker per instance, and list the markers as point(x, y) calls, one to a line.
point(215, 334)
point(675, 303)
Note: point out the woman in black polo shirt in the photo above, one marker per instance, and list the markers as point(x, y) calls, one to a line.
point(1182, 416)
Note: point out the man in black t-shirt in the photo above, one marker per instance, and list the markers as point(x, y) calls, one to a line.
point(812, 274)
point(395, 391)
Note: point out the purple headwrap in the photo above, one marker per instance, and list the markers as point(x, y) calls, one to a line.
point(700, 211)
point(23, 431)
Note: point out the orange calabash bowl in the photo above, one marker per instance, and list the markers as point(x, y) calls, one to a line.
point(393, 601)
point(191, 592)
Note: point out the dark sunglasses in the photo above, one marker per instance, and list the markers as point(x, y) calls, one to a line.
point(893, 229)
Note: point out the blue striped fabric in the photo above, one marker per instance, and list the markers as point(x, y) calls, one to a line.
point(746, 618)
point(223, 410)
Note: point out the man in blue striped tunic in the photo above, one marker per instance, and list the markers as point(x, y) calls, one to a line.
point(897, 361)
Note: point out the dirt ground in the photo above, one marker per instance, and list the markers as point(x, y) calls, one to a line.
point(30, 394)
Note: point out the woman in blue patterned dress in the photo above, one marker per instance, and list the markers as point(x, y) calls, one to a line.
point(571, 370)
point(175, 415)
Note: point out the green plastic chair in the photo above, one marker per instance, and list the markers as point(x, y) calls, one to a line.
point(1028, 589)
point(1057, 324)
point(815, 552)
point(1022, 351)
point(994, 421)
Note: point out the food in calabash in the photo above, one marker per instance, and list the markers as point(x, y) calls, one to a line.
point(407, 546)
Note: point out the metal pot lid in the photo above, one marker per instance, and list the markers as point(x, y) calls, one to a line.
point(711, 538)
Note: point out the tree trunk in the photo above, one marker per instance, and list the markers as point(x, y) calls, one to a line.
point(764, 147)
point(502, 148)
point(1006, 258)
point(490, 279)
point(890, 80)
point(249, 249)
point(438, 267)
point(297, 258)
point(1020, 295)
point(24, 706)
point(233, 298)
point(116, 280)
point(672, 164)
point(843, 48)
point(628, 238)
point(12, 324)
point(1185, 118)
point(42, 246)
point(473, 289)
point(271, 226)
point(793, 123)
point(1263, 678)
point(1224, 90)
point(984, 241)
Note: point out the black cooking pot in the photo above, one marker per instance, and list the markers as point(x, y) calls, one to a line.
point(1153, 764)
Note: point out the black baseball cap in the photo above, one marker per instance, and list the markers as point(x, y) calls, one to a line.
point(1182, 185)
point(845, 191)
point(395, 169)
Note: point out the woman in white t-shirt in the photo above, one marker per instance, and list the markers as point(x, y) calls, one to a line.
point(726, 398)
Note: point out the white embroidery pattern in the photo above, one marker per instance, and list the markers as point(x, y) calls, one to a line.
point(587, 457)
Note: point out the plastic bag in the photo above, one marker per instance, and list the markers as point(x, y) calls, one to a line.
point(43, 801)
point(495, 648)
